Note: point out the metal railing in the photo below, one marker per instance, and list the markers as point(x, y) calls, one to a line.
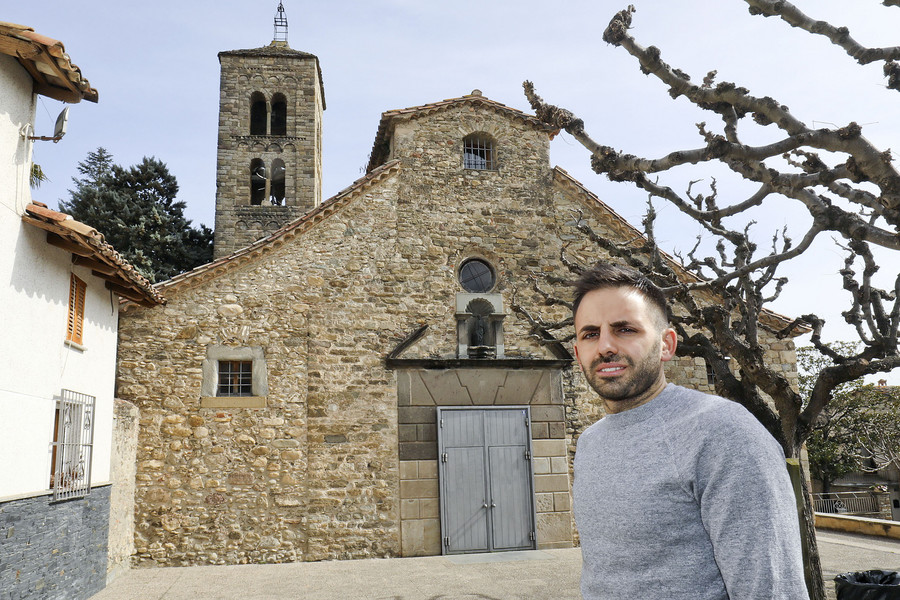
point(846, 503)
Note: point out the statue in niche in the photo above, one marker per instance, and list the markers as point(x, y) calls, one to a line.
point(481, 338)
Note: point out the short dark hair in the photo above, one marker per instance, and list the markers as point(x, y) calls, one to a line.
point(606, 275)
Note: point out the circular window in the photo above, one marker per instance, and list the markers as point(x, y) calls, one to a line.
point(476, 276)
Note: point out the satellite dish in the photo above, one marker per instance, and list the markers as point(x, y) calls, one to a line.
point(62, 121)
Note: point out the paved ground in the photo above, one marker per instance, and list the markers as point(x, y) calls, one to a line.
point(537, 575)
point(843, 552)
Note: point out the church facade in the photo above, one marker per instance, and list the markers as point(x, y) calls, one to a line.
point(350, 378)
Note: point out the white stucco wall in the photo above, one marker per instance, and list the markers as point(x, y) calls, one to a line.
point(17, 105)
point(35, 362)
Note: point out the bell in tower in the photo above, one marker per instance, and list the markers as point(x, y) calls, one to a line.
point(269, 162)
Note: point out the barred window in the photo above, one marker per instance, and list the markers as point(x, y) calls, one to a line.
point(711, 377)
point(73, 443)
point(235, 378)
point(75, 324)
point(478, 152)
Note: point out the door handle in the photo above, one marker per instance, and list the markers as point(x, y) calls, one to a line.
point(493, 505)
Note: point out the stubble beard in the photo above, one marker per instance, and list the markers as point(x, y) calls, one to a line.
point(643, 375)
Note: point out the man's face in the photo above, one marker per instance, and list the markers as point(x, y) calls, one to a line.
point(621, 344)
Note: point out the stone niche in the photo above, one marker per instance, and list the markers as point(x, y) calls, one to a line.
point(421, 391)
point(479, 325)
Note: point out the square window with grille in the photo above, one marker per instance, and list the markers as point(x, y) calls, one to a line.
point(235, 378)
point(710, 374)
point(73, 443)
point(478, 153)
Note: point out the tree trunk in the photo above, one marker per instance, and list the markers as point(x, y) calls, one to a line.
point(812, 565)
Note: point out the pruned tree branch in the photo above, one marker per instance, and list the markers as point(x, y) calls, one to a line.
point(839, 36)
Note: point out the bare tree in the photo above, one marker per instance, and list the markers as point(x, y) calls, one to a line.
point(849, 188)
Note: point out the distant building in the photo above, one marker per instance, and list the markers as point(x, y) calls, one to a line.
point(348, 379)
point(60, 297)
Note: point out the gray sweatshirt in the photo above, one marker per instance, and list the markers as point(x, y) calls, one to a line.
point(685, 497)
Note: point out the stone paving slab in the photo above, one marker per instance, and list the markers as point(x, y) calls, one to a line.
point(531, 575)
point(534, 575)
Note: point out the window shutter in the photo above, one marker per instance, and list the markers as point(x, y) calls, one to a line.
point(75, 325)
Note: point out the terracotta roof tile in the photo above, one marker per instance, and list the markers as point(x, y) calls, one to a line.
point(89, 243)
point(46, 60)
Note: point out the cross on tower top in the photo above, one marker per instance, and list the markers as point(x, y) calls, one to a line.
point(281, 27)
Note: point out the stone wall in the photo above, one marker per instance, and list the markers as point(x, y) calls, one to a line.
point(54, 551)
point(323, 465)
point(268, 71)
point(313, 473)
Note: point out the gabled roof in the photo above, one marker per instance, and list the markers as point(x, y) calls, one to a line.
point(89, 249)
point(54, 74)
point(278, 238)
point(627, 231)
point(279, 50)
point(381, 147)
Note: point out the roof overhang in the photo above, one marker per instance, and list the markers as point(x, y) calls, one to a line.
point(90, 250)
point(45, 59)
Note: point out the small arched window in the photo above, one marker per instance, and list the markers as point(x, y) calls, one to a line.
point(258, 181)
point(277, 182)
point(258, 116)
point(478, 152)
point(279, 115)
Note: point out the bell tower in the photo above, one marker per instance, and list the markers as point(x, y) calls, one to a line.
point(269, 162)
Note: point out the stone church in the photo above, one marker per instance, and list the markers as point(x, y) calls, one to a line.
point(347, 378)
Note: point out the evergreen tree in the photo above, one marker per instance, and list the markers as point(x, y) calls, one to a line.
point(135, 209)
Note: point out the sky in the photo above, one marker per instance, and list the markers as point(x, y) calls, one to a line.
point(156, 69)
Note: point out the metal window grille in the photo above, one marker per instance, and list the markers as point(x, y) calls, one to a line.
point(235, 378)
point(478, 153)
point(476, 276)
point(710, 374)
point(73, 446)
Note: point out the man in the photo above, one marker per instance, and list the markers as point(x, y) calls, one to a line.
point(678, 494)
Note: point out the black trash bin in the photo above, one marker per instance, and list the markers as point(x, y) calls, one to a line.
point(868, 585)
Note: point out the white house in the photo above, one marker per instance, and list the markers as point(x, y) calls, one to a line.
point(59, 301)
